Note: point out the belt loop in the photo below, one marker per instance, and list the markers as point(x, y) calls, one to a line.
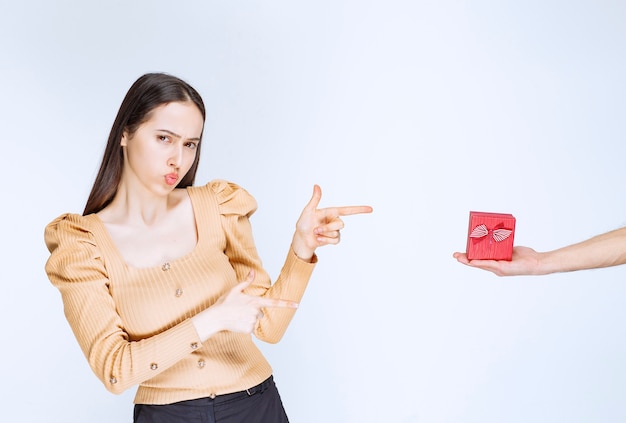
point(265, 384)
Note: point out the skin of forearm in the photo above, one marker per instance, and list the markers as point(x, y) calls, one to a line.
point(608, 249)
point(206, 325)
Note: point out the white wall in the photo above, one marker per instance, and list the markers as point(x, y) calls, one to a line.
point(423, 109)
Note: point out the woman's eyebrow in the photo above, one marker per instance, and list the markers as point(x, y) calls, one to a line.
point(174, 134)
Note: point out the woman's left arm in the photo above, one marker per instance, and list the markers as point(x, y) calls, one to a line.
point(315, 227)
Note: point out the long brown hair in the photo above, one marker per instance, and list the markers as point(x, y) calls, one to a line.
point(148, 92)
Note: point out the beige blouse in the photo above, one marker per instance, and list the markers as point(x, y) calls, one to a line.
point(133, 324)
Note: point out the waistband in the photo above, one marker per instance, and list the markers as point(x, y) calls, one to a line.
point(234, 395)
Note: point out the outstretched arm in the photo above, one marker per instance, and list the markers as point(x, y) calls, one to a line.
point(605, 250)
point(314, 228)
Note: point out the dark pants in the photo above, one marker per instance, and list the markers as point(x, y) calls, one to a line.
point(260, 404)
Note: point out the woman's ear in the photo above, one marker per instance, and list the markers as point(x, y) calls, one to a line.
point(124, 140)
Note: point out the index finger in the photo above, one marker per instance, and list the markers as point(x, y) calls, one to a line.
point(347, 210)
point(272, 302)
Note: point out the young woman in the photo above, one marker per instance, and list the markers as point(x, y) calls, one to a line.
point(160, 280)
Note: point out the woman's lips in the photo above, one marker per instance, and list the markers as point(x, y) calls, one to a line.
point(171, 178)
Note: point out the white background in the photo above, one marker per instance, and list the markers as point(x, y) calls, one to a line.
point(424, 110)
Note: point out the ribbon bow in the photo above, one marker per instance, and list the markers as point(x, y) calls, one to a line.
point(481, 231)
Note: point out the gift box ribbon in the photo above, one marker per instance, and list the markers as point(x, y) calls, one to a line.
point(498, 235)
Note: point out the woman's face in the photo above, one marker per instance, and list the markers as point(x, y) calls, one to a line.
point(162, 150)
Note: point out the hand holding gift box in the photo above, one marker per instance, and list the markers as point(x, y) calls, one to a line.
point(490, 236)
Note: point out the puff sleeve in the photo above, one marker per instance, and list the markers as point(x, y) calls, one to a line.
point(236, 206)
point(76, 267)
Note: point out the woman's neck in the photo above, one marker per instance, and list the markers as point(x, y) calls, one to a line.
point(140, 207)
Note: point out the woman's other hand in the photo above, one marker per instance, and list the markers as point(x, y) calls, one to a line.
point(235, 311)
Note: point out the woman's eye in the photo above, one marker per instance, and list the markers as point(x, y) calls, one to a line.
point(163, 138)
point(191, 145)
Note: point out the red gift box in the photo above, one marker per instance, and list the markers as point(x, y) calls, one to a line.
point(490, 236)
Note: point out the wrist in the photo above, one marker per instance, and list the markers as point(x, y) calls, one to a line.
point(304, 256)
point(301, 250)
point(547, 263)
point(205, 324)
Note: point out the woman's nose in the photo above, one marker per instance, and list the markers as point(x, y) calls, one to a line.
point(176, 156)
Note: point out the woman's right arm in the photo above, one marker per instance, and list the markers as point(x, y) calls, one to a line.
point(76, 268)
